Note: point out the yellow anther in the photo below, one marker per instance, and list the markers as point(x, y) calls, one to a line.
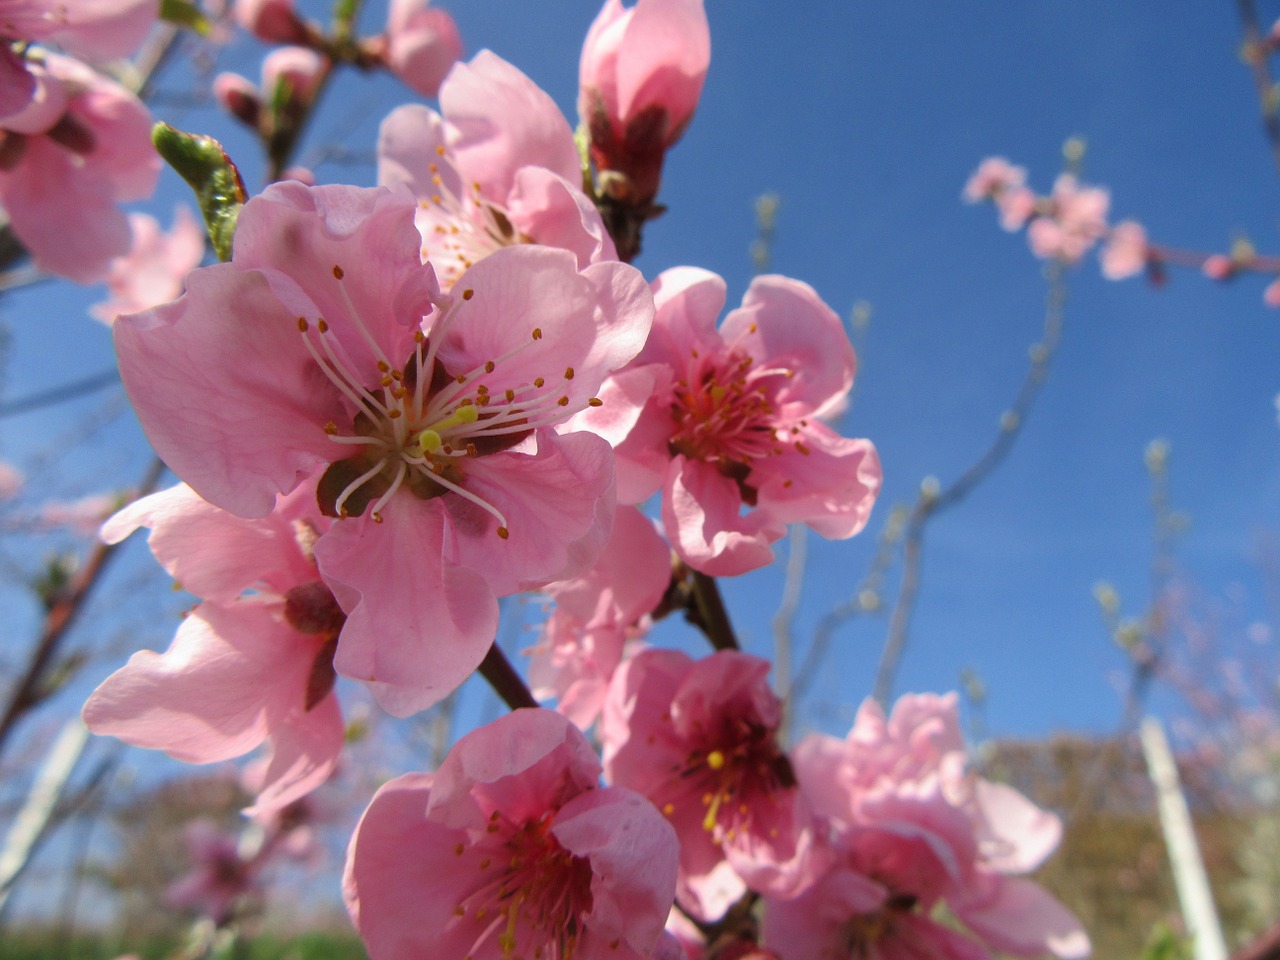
point(715, 759)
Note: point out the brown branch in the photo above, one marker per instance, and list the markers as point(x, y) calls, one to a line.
point(497, 669)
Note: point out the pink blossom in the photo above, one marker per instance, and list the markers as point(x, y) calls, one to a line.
point(1075, 219)
point(640, 77)
point(498, 168)
point(698, 739)
point(512, 849)
point(220, 877)
point(243, 666)
point(597, 614)
point(908, 819)
point(422, 43)
point(1125, 252)
point(94, 30)
point(79, 149)
point(428, 421)
point(994, 176)
point(154, 269)
point(730, 418)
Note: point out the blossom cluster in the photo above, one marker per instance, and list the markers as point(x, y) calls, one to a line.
point(1073, 218)
point(393, 406)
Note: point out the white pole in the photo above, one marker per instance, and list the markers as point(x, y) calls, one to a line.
point(1198, 911)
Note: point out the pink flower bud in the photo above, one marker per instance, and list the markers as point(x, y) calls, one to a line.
point(272, 21)
point(421, 45)
point(238, 97)
point(640, 78)
point(1218, 267)
point(301, 67)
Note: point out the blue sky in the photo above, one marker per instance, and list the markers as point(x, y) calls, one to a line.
point(866, 120)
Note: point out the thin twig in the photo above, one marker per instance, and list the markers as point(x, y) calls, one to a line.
point(62, 612)
point(1254, 53)
point(60, 394)
point(933, 501)
point(504, 679)
point(712, 617)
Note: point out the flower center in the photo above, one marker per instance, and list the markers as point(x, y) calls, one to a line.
point(418, 426)
point(533, 895)
point(737, 780)
point(458, 231)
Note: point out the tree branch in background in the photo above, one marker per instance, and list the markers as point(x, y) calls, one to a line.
point(62, 609)
point(1254, 51)
point(934, 499)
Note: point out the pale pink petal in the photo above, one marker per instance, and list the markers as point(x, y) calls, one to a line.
point(304, 753)
point(99, 29)
point(232, 674)
point(632, 850)
point(558, 504)
point(550, 209)
point(226, 391)
point(825, 480)
point(701, 514)
point(212, 553)
point(687, 302)
point(409, 141)
point(1017, 916)
point(784, 324)
point(1019, 836)
point(504, 122)
point(417, 626)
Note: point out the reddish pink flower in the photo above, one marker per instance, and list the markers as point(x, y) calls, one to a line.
point(81, 147)
point(731, 418)
point(422, 43)
point(154, 269)
point(1125, 252)
point(597, 614)
point(512, 849)
point(640, 78)
point(325, 350)
point(499, 168)
point(243, 666)
point(698, 739)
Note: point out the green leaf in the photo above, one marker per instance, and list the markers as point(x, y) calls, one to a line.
point(203, 163)
point(184, 13)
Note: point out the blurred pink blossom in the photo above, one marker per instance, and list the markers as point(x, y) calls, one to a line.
point(1075, 219)
point(156, 266)
point(66, 161)
point(1125, 252)
point(421, 44)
